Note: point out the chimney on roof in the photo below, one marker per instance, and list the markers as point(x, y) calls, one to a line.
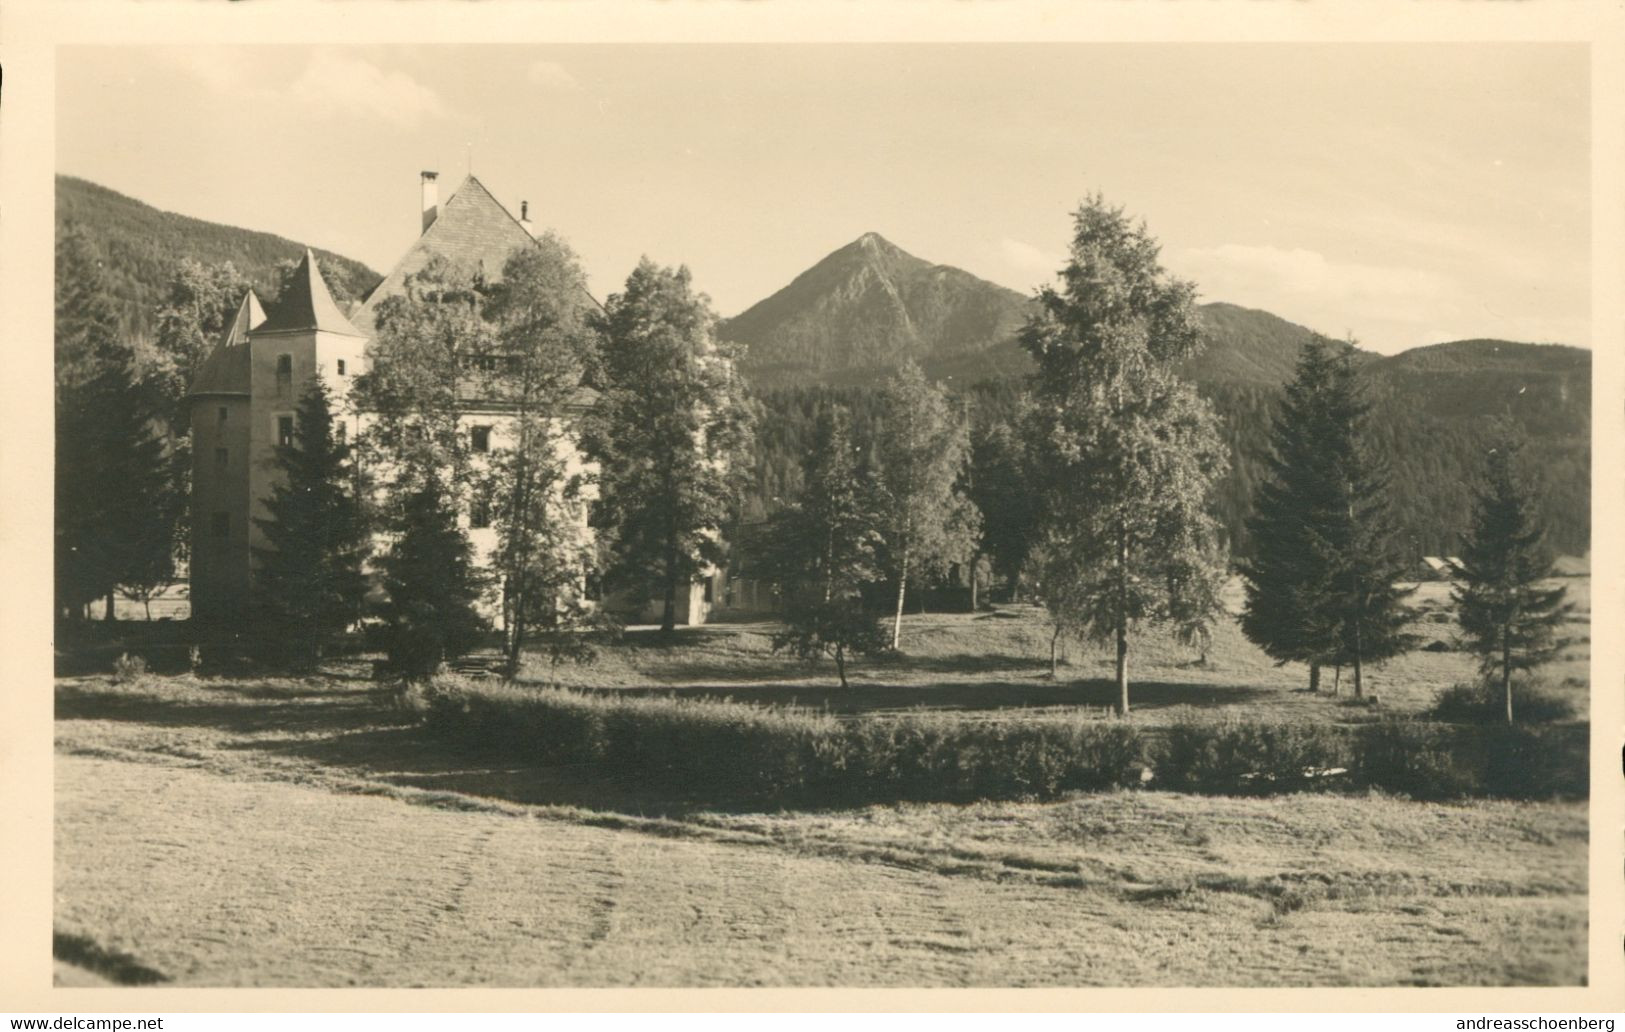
point(431, 199)
point(524, 217)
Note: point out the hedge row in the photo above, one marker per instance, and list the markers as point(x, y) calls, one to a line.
point(725, 749)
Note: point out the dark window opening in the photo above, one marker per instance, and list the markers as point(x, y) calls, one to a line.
point(220, 524)
point(221, 415)
point(221, 458)
point(284, 365)
point(284, 431)
point(480, 439)
point(341, 367)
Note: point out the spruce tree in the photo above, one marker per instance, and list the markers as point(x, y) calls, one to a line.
point(1127, 452)
point(1284, 614)
point(432, 584)
point(1509, 620)
point(308, 583)
point(824, 553)
point(117, 499)
point(1354, 535)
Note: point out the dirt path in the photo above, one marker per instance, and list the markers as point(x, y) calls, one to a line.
point(211, 880)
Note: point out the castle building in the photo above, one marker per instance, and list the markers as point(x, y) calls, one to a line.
point(244, 397)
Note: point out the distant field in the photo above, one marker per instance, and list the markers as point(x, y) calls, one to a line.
point(998, 660)
point(302, 832)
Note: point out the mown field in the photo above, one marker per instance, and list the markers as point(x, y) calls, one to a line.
point(304, 832)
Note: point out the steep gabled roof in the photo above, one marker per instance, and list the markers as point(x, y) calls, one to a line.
point(226, 369)
point(472, 231)
point(307, 305)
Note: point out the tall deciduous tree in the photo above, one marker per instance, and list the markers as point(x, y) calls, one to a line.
point(1508, 618)
point(922, 448)
point(427, 339)
point(1128, 452)
point(544, 347)
point(824, 552)
point(669, 436)
point(432, 585)
point(198, 305)
point(308, 583)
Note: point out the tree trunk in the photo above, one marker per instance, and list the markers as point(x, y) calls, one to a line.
point(1054, 639)
point(973, 586)
point(1122, 621)
point(668, 616)
point(1359, 683)
point(1506, 670)
point(840, 663)
point(146, 604)
point(1314, 678)
point(1122, 669)
point(902, 585)
point(109, 616)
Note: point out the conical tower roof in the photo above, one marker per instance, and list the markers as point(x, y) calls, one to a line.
point(226, 369)
point(250, 316)
point(307, 305)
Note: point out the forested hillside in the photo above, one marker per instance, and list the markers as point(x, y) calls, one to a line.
point(1433, 412)
point(139, 247)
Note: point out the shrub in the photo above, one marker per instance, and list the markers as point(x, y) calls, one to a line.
point(717, 748)
point(1247, 756)
point(1481, 702)
point(1422, 759)
point(128, 668)
point(712, 746)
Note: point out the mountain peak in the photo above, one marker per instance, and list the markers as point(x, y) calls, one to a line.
point(867, 307)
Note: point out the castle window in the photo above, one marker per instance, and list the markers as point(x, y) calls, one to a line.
point(284, 365)
point(221, 415)
point(284, 431)
point(220, 524)
point(221, 458)
point(480, 439)
point(341, 367)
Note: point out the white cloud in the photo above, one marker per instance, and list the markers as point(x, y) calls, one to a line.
point(1024, 256)
point(330, 83)
point(1305, 272)
point(551, 75)
point(215, 67)
point(337, 84)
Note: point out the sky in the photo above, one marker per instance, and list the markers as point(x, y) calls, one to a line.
point(1403, 194)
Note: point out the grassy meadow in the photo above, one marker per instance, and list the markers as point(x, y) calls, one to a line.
point(308, 832)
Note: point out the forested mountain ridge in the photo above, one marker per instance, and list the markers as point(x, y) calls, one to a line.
point(139, 247)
